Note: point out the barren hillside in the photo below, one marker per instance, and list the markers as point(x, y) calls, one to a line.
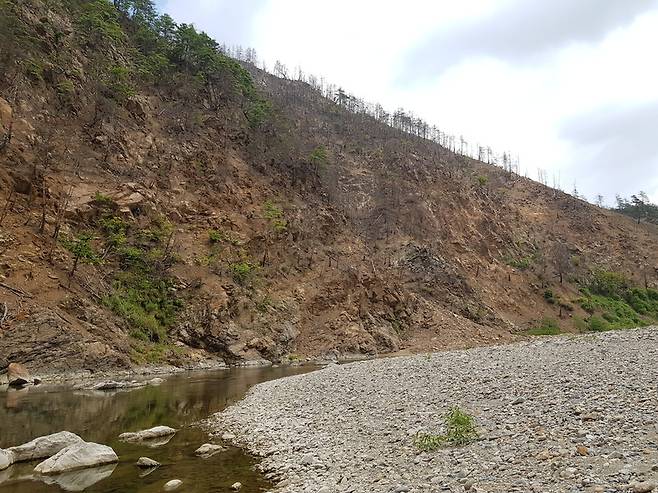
point(157, 207)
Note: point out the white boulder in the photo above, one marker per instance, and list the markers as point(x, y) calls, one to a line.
point(6, 459)
point(208, 450)
point(157, 432)
point(172, 485)
point(43, 447)
point(147, 463)
point(78, 456)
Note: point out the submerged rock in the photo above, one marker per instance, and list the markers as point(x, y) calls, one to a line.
point(45, 446)
point(151, 433)
point(147, 463)
point(172, 485)
point(208, 450)
point(78, 456)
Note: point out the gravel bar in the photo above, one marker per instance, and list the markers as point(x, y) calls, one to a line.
point(557, 414)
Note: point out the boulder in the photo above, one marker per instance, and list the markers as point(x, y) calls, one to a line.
point(78, 456)
point(18, 375)
point(43, 447)
point(236, 486)
point(157, 432)
point(172, 485)
point(147, 463)
point(6, 459)
point(208, 450)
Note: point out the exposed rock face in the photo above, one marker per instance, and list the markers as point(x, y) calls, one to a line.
point(46, 446)
point(151, 433)
point(78, 456)
point(18, 375)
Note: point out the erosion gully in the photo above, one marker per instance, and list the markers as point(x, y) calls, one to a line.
point(100, 416)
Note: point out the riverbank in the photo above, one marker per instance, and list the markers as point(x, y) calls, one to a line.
point(572, 413)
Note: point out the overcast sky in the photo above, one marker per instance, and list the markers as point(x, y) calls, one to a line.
point(569, 85)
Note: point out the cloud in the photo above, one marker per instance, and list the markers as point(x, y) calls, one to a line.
point(617, 146)
point(227, 21)
point(521, 31)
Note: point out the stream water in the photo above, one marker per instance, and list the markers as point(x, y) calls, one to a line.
point(180, 402)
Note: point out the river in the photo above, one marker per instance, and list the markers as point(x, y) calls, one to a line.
point(180, 402)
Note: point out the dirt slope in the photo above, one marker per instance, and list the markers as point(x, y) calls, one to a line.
point(247, 246)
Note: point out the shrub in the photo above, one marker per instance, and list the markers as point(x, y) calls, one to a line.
point(460, 430)
point(319, 157)
point(215, 236)
point(549, 296)
point(258, 111)
point(120, 83)
point(242, 271)
point(482, 180)
point(596, 324)
point(610, 284)
point(274, 214)
point(103, 200)
point(548, 327)
point(147, 303)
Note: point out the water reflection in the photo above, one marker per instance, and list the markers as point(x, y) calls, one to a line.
point(100, 417)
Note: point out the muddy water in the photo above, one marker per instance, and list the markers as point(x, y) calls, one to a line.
point(100, 417)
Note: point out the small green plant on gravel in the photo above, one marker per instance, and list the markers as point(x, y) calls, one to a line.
point(460, 431)
point(548, 327)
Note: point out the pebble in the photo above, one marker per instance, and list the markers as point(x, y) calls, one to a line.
point(587, 421)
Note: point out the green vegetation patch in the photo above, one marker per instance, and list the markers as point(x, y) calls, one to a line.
point(460, 431)
point(614, 303)
point(548, 327)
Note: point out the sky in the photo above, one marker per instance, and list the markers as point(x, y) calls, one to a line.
point(571, 86)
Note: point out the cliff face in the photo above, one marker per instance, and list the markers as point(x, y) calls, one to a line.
point(195, 228)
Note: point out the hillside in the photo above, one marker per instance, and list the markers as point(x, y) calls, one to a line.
point(208, 209)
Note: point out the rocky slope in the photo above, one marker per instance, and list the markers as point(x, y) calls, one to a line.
point(553, 415)
point(202, 234)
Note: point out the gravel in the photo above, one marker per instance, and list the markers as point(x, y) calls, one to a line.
point(562, 414)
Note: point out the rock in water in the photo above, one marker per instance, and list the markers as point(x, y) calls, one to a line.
point(208, 449)
point(18, 375)
point(78, 456)
point(236, 486)
point(147, 463)
point(43, 447)
point(6, 459)
point(138, 436)
point(172, 485)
